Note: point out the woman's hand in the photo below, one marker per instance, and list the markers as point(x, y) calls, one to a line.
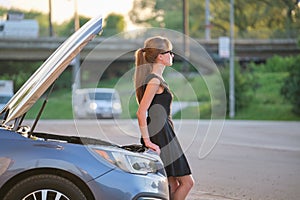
point(152, 146)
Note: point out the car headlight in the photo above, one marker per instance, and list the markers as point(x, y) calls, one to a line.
point(93, 106)
point(116, 106)
point(132, 163)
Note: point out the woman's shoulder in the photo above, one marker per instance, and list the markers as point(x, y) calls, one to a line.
point(153, 78)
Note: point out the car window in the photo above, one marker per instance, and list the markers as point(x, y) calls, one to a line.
point(101, 96)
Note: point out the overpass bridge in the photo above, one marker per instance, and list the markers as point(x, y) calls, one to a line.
point(40, 48)
point(103, 49)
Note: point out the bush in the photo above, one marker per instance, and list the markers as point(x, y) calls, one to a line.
point(274, 64)
point(291, 87)
point(244, 86)
point(20, 72)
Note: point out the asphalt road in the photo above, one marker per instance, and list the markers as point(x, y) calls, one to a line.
point(230, 160)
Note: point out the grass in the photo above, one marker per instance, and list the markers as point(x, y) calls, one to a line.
point(267, 112)
point(59, 106)
point(267, 103)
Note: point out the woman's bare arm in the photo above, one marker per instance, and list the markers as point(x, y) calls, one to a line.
point(152, 88)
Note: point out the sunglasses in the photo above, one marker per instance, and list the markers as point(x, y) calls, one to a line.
point(171, 52)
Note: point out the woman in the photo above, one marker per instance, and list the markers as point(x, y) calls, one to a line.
point(154, 99)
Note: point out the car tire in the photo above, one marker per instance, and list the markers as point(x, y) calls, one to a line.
point(51, 185)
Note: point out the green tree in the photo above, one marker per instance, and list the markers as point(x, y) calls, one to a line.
point(157, 13)
point(257, 19)
point(114, 24)
point(291, 87)
point(67, 28)
point(152, 12)
point(261, 19)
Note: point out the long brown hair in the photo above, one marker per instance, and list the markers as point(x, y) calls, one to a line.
point(144, 60)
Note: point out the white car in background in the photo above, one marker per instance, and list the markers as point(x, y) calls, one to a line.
point(96, 103)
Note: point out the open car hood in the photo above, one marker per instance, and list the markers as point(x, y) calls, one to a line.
point(50, 70)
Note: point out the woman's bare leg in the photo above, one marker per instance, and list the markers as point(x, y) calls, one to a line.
point(174, 184)
point(180, 186)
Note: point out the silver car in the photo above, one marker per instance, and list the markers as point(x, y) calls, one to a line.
point(94, 103)
point(44, 166)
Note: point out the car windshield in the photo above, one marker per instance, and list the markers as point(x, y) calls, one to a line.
point(101, 96)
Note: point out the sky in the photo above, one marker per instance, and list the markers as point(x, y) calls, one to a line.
point(63, 10)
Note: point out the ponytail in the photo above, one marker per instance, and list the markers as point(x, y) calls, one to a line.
point(142, 69)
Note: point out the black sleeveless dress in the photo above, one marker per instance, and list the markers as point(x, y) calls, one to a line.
point(161, 132)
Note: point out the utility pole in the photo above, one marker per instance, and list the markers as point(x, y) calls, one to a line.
point(186, 46)
point(76, 66)
point(76, 16)
point(50, 19)
point(231, 63)
point(207, 20)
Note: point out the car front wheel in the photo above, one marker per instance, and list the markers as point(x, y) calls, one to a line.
point(45, 187)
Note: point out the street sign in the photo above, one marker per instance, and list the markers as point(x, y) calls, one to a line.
point(224, 47)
